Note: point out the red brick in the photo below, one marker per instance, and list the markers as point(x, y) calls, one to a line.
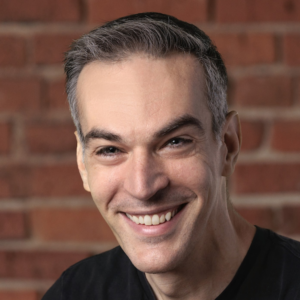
point(79, 224)
point(297, 91)
point(12, 225)
point(263, 216)
point(12, 51)
point(252, 134)
point(262, 91)
point(19, 94)
point(189, 10)
point(40, 10)
point(245, 48)
point(36, 264)
point(56, 96)
point(51, 137)
point(50, 48)
point(17, 295)
point(286, 136)
point(48, 181)
point(290, 221)
point(263, 178)
point(291, 49)
point(5, 134)
point(4, 187)
point(14, 181)
point(3, 266)
point(56, 180)
point(232, 11)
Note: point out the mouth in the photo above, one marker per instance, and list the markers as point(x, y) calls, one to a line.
point(155, 219)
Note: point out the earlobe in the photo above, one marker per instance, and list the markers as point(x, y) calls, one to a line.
point(232, 139)
point(80, 163)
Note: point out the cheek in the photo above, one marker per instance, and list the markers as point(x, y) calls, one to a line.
point(104, 183)
point(192, 173)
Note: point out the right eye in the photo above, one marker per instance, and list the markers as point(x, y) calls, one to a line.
point(109, 151)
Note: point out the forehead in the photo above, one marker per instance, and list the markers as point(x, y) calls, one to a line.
point(141, 92)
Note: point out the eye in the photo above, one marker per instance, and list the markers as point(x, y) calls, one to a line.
point(108, 151)
point(178, 142)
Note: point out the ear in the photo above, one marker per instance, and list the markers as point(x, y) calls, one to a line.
point(80, 163)
point(232, 140)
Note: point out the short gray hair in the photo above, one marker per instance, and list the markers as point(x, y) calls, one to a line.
point(157, 35)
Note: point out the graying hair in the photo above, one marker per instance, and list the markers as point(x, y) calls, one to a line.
point(157, 35)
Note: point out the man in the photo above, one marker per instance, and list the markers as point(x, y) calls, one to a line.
point(156, 147)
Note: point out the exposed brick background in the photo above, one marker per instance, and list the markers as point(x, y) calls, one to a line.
point(189, 10)
point(253, 134)
point(47, 220)
point(285, 136)
point(12, 225)
point(36, 264)
point(12, 51)
point(20, 94)
point(42, 10)
point(262, 91)
point(50, 137)
point(242, 11)
point(17, 295)
point(245, 48)
point(55, 96)
point(81, 224)
point(49, 48)
point(5, 141)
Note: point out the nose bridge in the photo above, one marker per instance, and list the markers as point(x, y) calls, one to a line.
point(145, 175)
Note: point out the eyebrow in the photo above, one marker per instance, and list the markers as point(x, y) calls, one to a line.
point(101, 134)
point(182, 121)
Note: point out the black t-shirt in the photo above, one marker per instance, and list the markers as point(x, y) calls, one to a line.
point(270, 270)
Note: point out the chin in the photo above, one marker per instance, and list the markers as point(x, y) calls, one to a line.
point(152, 266)
point(153, 261)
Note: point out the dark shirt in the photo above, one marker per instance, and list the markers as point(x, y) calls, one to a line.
point(270, 270)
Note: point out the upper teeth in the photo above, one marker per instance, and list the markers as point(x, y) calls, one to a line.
point(152, 220)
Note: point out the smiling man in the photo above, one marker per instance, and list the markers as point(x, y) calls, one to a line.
point(156, 147)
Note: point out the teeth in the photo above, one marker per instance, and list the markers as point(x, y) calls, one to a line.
point(168, 216)
point(154, 220)
point(147, 220)
point(135, 219)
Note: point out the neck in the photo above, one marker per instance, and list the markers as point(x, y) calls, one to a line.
point(211, 266)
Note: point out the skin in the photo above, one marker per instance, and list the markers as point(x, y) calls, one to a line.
point(129, 166)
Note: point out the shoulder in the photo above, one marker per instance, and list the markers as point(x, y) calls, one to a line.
point(283, 265)
point(103, 276)
point(115, 254)
point(102, 265)
point(286, 245)
point(282, 260)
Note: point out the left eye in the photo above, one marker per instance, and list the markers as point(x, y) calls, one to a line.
point(177, 142)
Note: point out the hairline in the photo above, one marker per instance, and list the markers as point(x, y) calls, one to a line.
point(128, 57)
point(157, 35)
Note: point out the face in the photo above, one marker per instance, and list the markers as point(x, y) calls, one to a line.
point(151, 156)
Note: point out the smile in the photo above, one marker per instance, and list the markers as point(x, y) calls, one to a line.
point(154, 219)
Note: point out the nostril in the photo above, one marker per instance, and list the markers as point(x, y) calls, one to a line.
point(145, 186)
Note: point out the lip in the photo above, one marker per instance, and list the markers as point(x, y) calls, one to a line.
point(156, 211)
point(155, 230)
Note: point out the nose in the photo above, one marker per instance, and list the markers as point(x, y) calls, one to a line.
point(145, 176)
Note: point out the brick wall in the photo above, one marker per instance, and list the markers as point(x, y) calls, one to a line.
point(47, 220)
